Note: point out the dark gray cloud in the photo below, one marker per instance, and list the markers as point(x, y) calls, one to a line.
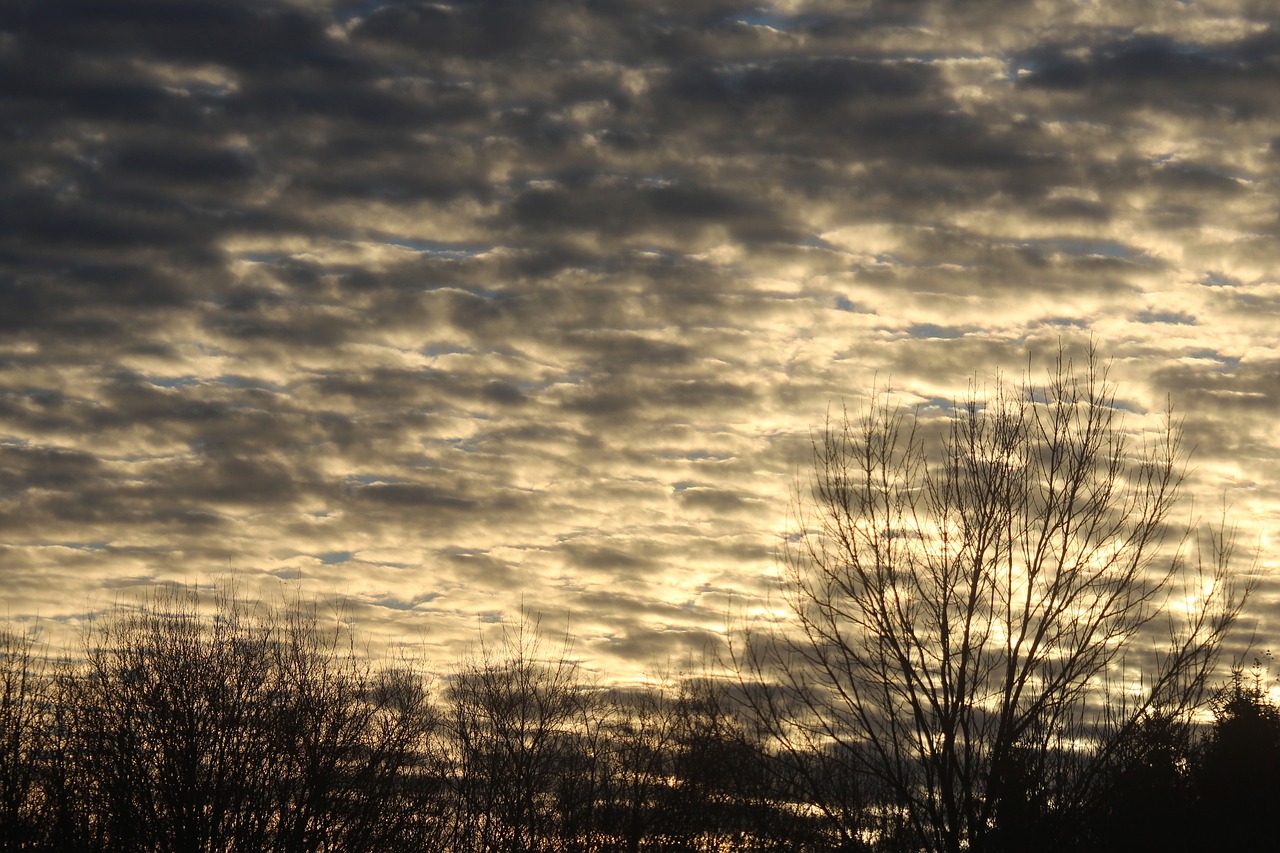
point(1136, 70)
point(439, 305)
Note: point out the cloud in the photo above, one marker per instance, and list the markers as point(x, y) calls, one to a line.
point(541, 299)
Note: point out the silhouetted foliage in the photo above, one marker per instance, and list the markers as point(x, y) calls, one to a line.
point(1145, 794)
point(1179, 787)
point(1238, 777)
point(196, 726)
point(264, 729)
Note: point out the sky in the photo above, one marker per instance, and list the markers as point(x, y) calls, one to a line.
point(448, 309)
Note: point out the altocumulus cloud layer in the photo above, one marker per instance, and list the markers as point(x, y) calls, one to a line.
point(445, 306)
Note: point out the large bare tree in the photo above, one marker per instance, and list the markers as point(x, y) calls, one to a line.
point(984, 611)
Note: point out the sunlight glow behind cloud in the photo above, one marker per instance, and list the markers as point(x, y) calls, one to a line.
point(444, 307)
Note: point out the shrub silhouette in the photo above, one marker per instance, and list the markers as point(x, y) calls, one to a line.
point(1238, 777)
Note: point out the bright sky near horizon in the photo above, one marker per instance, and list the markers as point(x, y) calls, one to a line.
point(445, 307)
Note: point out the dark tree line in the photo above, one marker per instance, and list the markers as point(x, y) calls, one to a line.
point(248, 729)
point(236, 732)
point(267, 730)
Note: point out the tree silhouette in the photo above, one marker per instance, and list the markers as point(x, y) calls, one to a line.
point(1238, 777)
point(998, 643)
point(241, 731)
point(1145, 795)
point(25, 741)
point(523, 747)
point(971, 613)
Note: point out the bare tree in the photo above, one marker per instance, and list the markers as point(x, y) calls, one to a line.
point(641, 737)
point(679, 761)
point(243, 730)
point(25, 739)
point(526, 754)
point(969, 613)
point(356, 740)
